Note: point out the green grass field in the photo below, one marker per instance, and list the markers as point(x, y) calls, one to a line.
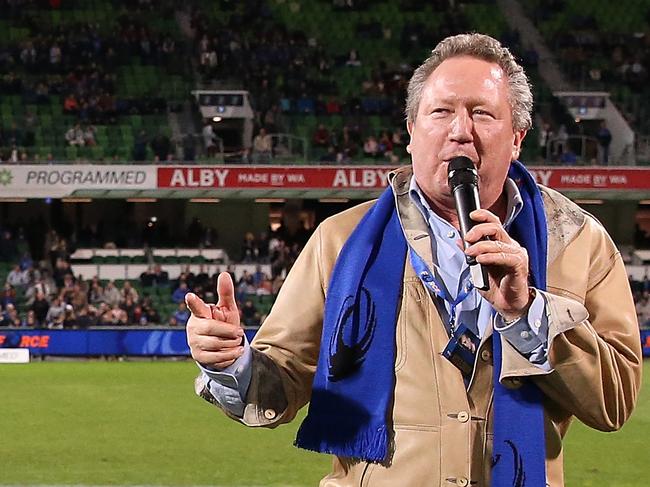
point(139, 423)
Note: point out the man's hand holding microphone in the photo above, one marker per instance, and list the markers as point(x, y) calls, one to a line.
point(214, 332)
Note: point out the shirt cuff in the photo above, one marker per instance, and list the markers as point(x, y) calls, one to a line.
point(528, 334)
point(233, 379)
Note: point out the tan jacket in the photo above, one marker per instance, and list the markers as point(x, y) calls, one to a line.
point(443, 432)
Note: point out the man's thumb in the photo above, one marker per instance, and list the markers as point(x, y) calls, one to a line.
point(226, 292)
point(197, 306)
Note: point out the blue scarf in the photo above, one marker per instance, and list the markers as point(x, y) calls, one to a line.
point(354, 381)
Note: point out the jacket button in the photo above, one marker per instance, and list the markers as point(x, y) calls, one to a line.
point(269, 414)
point(462, 481)
point(486, 355)
point(463, 416)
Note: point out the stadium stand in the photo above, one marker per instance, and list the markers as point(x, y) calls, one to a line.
point(124, 71)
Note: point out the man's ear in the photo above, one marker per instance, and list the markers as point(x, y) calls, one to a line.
point(518, 138)
point(409, 127)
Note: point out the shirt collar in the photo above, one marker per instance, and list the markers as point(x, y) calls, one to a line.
point(514, 205)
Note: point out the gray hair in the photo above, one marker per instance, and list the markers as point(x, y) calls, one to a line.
point(482, 47)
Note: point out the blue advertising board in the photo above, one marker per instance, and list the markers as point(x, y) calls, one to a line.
point(100, 341)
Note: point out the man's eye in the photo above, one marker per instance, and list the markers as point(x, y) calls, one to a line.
point(439, 111)
point(482, 112)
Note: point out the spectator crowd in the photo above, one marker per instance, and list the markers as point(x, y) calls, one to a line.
point(48, 294)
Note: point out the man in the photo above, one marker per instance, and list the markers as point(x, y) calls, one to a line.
point(372, 324)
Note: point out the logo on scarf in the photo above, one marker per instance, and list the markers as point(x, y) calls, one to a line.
point(351, 340)
point(519, 476)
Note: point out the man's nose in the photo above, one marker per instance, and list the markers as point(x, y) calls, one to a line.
point(462, 128)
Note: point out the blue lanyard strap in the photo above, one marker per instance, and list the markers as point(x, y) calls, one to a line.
point(436, 287)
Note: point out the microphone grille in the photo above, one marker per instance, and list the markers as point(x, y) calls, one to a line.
point(461, 170)
point(460, 162)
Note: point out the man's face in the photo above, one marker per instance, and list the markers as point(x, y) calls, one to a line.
point(464, 111)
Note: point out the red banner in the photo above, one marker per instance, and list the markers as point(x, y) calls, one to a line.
point(374, 177)
point(291, 177)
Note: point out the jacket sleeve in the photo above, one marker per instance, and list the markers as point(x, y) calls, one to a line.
point(594, 342)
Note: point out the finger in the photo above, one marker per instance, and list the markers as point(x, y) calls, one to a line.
point(216, 328)
point(226, 292)
point(218, 359)
point(197, 306)
point(215, 344)
point(502, 259)
point(483, 215)
point(494, 246)
point(490, 230)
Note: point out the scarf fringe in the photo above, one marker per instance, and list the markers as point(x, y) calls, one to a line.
point(370, 442)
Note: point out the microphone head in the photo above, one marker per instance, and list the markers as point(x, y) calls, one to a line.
point(461, 170)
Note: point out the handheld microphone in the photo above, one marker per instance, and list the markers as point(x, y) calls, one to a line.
point(463, 182)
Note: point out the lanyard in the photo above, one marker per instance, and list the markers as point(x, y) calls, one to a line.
point(436, 287)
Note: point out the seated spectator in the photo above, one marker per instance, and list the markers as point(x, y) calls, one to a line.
point(249, 313)
point(70, 104)
point(321, 137)
point(75, 136)
point(180, 316)
point(44, 284)
point(353, 59)
point(112, 295)
point(8, 295)
point(69, 317)
point(55, 314)
point(78, 298)
point(128, 291)
point(265, 288)
point(179, 293)
point(10, 316)
point(89, 136)
point(85, 318)
point(149, 313)
point(385, 144)
point(128, 305)
point(30, 320)
point(371, 147)
point(96, 292)
point(258, 276)
point(17, 277)
point(26, 261)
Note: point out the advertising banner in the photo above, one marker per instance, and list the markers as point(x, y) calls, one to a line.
point(273, 177)
point(100, 341)
point(57, 181)
point(375, 177)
